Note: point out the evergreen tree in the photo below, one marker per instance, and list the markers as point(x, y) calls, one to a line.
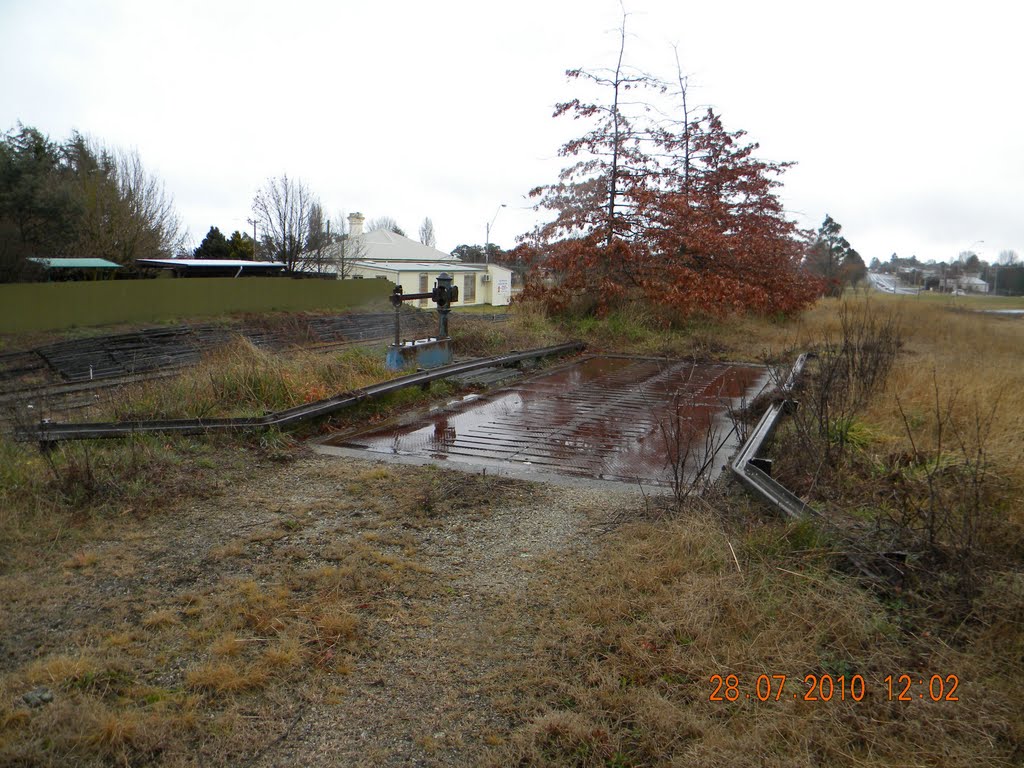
point(832, 258)
point(214, 246)
point(241, 247)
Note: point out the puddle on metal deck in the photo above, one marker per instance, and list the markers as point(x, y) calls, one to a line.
point(606, 418)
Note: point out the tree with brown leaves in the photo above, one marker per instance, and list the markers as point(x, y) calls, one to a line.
point(679, 214)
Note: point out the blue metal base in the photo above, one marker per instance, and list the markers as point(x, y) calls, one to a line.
point(424, 353)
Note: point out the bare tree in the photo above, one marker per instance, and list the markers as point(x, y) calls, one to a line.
point(598, 193)
point(344, 249)
point(1008, 257)
point(153, 221)
point(386, 223)
point(427, 236)
point(125, 212)
point(317, 255)
point(282, 210)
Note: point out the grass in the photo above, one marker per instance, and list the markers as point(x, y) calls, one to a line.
point(624, 673)
point(301, 582)
point(242, 380)
point(168, 673)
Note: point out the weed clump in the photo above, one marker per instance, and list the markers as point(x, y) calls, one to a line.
point(241, 379)
point(923, 474)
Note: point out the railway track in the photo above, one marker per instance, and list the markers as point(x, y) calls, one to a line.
point(65, 377)
point(47, 433)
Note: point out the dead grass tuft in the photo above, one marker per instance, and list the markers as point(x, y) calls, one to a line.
point(81, 560)
point(161, 619)
point(227, 644)
point(525, 328)
point(221, 677)
point(283, 655)
point(62, 670)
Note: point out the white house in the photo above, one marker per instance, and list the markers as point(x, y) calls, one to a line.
point(415, 266)
point(967, 283)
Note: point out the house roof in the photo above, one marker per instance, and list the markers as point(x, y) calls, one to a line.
point(420, 266)
point(377, 246)
point(381, 245)
point(75, 263)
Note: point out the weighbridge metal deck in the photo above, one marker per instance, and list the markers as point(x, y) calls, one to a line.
point(605, 418)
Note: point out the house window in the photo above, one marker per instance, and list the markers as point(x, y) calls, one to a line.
point(424, 287)
point(469, 289)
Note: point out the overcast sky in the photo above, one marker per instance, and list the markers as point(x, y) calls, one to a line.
point(905, 118)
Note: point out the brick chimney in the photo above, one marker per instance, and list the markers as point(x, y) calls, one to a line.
point(355, 224)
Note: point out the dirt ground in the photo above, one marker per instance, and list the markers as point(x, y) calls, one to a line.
point(422, 680)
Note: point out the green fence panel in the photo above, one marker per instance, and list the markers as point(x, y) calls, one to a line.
point(54, 306)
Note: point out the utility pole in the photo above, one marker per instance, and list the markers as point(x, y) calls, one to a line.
point(253, 222)
point(487, 237)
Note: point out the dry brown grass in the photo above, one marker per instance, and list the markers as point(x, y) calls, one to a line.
point(235, 642)
point(50, 502)
point(623, 673)
point(240, 379)
point(180, 677)
point(526, 328)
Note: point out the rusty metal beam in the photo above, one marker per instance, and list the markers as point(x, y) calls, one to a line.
point(755, 478)
point(47, 432)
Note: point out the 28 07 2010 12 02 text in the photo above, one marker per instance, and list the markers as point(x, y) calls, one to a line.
point(826, 687)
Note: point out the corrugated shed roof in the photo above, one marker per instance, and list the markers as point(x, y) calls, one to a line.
point(221, 263)
point(75, 263)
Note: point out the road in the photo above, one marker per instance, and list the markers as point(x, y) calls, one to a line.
point(890, 284)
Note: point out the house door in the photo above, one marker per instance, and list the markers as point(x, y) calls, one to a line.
point(424, 287)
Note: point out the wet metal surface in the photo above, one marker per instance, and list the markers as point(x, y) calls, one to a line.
point(606, 418)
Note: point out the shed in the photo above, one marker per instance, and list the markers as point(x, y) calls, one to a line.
point(214, 267)
point(63, 267)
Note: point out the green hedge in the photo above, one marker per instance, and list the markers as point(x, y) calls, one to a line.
point(53, 306)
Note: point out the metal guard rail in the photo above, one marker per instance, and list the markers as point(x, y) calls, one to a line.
point(756, 479)
point(48, 432)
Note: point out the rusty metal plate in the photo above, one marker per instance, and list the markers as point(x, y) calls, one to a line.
point(606, 418)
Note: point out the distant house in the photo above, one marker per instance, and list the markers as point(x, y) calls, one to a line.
point(967, 283)
point(413, 265)
point(972, 284)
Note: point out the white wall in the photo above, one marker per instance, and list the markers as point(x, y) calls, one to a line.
point(496, 292)
point(499, 289)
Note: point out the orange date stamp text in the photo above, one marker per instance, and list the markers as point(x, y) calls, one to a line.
point(825, 687)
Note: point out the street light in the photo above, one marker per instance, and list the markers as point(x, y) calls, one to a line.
point(487, 237)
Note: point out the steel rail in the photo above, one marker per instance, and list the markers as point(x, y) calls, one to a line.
point(756, 479)
point(48, 432)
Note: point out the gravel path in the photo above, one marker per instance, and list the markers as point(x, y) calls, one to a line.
point(424, 694)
